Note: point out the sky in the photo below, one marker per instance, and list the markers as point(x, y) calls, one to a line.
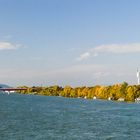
point(69, 42)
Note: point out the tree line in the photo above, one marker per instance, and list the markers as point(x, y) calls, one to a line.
point(114, 92)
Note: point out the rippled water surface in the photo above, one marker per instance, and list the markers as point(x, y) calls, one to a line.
point(31, 117)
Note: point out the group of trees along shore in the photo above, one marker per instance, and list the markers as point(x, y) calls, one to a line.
point(114, 92)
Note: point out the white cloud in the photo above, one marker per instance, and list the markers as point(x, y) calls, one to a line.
point(8, 46)
point(76, 75)
point(117, 48)
point(83, 56)
point(73, 75)
point(111, 48)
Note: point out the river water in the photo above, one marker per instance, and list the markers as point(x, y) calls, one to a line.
point(32, 117)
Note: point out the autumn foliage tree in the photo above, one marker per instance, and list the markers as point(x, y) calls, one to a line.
point(128, 92)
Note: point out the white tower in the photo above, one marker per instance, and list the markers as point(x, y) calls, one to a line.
point(138, 76)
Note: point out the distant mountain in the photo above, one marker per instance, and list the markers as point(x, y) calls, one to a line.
point(4, 86)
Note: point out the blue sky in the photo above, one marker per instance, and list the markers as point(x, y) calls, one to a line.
point(69, 42)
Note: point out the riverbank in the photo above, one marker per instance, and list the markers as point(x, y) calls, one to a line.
point(117, 92)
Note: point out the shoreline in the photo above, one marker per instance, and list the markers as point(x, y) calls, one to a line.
point(118, 92)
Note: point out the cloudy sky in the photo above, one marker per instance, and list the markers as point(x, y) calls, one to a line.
point(69, 42)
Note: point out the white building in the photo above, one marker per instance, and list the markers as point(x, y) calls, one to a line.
point(137, 100)
point(94, 98)
point(121, 99)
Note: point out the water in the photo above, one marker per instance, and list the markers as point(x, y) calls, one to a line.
point(31, 117)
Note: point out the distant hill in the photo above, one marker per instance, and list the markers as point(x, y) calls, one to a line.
point(4, 86)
